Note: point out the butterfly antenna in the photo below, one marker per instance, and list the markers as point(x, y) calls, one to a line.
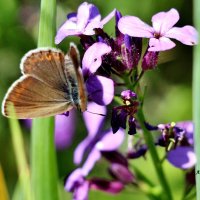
point(96, 113)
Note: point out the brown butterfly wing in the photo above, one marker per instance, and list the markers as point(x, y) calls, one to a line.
point(33, 98)
point(46, 64)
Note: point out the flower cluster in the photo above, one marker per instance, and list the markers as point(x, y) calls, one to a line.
point(108, 64)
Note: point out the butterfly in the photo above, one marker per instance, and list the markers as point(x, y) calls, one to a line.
point(51, 83)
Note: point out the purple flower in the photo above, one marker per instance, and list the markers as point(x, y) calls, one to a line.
point(80, 186)
point(64, 129)
point(92, 58)
point(121, 173)
point(100, 89)
point(108, 186)
point(182, 157)
point(181, 136)
point(77, 184)
point(84, 22)
point(96, 142)
point(138, 151)
point(149, 60)
point(121, 114)
point(126, 47)
point(161, 31)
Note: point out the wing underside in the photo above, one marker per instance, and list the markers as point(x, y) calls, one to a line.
point(33, 98)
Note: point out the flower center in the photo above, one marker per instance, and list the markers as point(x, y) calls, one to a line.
point(157, 35)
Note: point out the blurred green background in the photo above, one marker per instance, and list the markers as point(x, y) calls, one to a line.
point(168, 98)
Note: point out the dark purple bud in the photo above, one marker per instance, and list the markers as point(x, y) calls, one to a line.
point(119, 117)
point(131, 49)
point(128, 95)
point(118, 15)
point(118, 34)
point(86, 41)
point(115, 157)
point(151, 127)
point(141, 151)
point(121, 173)
point(112, 187)
point(104, 36)
point(114, 121)
point(161, 142)
point(150, 60)
point(132, 126)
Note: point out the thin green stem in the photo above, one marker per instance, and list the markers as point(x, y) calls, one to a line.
point(44, 167)
point(47, 25)
point(149, 141)
point(154, 155)
point(22, 165)
point(196, 96)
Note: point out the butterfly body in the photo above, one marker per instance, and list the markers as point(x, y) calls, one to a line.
point(51, 84)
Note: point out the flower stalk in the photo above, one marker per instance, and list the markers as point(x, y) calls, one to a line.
point(43, 163)
point(196, 98)
point(154, 155)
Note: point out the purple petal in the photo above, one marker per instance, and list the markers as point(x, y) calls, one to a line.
point(121, 173)
point(94, 13)
point(112, 187)
point(128, 94)
point(96, 119)
point(78, 185)
point(115, 157)
point(110, 141)
point(135, 27)
point(72, 16)
point(94, 21)
point(80, 149)
point(161, 44)
point(100, 89)
point(67, 29)
point(164, 21)
point(92, 58)
point(81, 192)
point(93, 157)
point(64, 130)
point(89, 30)
point(75, 176)
point(108, 18)
point(150, 60)
point(83, 16)
point(182, 157)
point(189, 130)
point(187, 35)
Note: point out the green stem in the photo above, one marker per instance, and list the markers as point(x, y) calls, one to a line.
point(44, 168)
point(150, 143)
point(154, 155)
point(22, 165)
point(47, 25)
point(196, 97)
